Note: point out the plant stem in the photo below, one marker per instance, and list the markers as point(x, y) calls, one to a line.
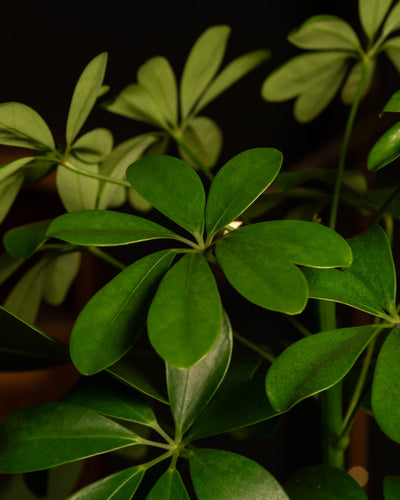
point(156, 460)
point(155, 444)
point(66, 164)
point(107, 258)
point(157, 427)
point(254, 347)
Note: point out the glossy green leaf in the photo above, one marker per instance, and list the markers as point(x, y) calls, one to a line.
point(238, 183)
point(219, 474)
point(391, 487)
point(393, 103)
point(60, 274)
point(189, 390)
point(22, 241)
point(314, 364)
point(353, 80)
point(25, 347)
point(51, 434)
point(114, 399)
point(234, 407)
point(85, 95)
point(301, 74)
point(202, 64)
point(77, 191)
point(229, 75)
point(385, 150)
point(117, 162)
point(111, 321)
point(323, 482)
point(105, 228)
point(118, 486)
point(169, 487)
point(157, 77)
point(143, 371)
point(203, 138)
point(325, 32)
point(385, 388)
point(21, 126)
point(172, 187)
point(372, 13)
point(8, 265)
point(392, 22)
point(185, 317)
point(94, 146)
point(368, 284)
point(392, 50)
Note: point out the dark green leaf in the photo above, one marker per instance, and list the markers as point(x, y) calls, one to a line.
point(368, 284)
point(119, 486)
point(372, 13)
point(94, 146)
point(323, 482)
point(8, 265)
point(325, 32)
point(385, 388)
point(238, 183)
point(169, 487)
point(391, 487)
point(105, 228)
point(314, 364)
point(386, 149)
point(21, 126)
point(202, 64)
point(85, 95)
point(51, 434)
point(25, 347)
point(234, 407)
point(185, 317)
point(111, 398)
point(189, 390)
point(111, 321)
point(172, 187)
point(218, 475)
point(60, 274)
point(22, 241)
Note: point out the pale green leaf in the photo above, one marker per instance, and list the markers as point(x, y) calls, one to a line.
point(392, 50)
point(372, 13)
point(189, 390)
point(353, 80)
point(85, 95)
point(203, 142)
point(202, 64)
point(9, 189)
point(21, 126)
point(169, 487)
point(185, 317)
point(325, 33)
point(94, 146)
point(392, 22)
point(60, 274)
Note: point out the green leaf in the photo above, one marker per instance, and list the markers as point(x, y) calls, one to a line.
point(51, 434)
point(169, 487)
point(60, 274)
point(392, 50)
point(23, 241)
point(105, 228)
point(219, 474)
point(11, 179)
point(393, 103)
point(233, 72)
point(392, 22)
point(368, 284)
point(120, 307)
point(234, 407)
point(323, 482)
point(143, 371)
point(111, 398)
point(85, 95)
point(301, 74)
point(158, 78)
point(202, 64)
point(385, 388)
point(94, 146)
point(185, 317)
point(173, 188)
point(353, 80)
point(372, 13)
point(117, 162)
point(118, 486)
point(385, 150)
point(325, 32)
point(21, 126)
point(238, 183)
point(77, 191)
point(8, 265)
point(25, 347)
point(315, 363)
point(190, 390)
point(391, 487)
point(203, 138)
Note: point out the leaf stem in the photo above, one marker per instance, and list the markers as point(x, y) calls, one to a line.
point(254, 347)
point(156, 444)
point(66, 164)
point(298, 325)
point(157, 427)
point(107, 258)
point(156, 460)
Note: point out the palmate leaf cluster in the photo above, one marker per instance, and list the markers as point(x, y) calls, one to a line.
point(172, 296)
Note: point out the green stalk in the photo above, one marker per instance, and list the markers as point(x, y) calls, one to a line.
point(86, 173)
